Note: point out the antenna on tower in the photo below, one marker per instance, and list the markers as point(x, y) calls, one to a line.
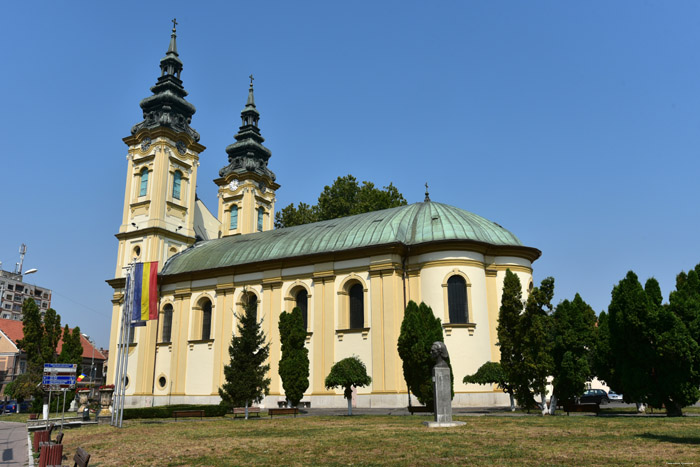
point(22, 252)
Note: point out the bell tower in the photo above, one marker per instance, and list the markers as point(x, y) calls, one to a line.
point(246, 186)
point(163, 156)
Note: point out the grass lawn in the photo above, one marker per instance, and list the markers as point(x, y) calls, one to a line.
point(336, 440)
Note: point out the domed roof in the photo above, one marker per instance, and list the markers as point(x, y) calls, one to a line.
point(410, 225)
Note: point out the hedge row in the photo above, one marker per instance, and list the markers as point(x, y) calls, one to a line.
point(166, 411)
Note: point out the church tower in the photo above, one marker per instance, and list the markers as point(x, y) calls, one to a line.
point(246, 186)
point(160, 205)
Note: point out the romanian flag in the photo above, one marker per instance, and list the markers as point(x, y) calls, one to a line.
point(81, 377)
point(144, 298)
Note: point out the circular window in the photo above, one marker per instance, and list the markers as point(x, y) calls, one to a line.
point(126, 382)
point(162, 381)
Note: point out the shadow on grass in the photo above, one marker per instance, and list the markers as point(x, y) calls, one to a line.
point(672, 439)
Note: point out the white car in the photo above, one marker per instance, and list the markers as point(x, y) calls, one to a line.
point(614, 396)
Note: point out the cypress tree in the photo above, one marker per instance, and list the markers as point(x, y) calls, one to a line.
point(52, 334)
point(294, 364)
point(419, 330)
point(32, 344)
point(573, 337)
point(72, 349)
point(245, 374)
point(508, 318)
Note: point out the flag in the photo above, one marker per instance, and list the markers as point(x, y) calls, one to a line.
point(81, 377)
point(144, 294)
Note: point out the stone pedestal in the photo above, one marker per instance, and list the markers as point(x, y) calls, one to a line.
point(442, 387)
point(105, 402)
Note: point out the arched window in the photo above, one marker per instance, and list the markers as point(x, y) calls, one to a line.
point(206, 320)
point(144, 182)
point(357, 306)
point(261, 214)
point(302, 302)
point(167, 323)
point(177, 182)
point(234, 218)
point(250, 299)
point(457, 299)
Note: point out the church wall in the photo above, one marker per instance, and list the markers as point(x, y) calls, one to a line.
point(200, 359)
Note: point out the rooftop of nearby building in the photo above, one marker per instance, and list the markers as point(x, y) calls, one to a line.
point(15, 331)
point(410, 225)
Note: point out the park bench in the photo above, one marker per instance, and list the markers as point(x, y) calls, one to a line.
point(419, 409)
point(81, 459)
point(588, 407)
point(241, 411)
point(33, 416)
point(283, 411)
point(188, 413)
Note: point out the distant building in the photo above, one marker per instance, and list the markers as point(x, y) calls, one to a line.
point(13, 292)
point(13, 362)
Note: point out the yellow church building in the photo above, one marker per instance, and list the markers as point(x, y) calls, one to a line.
point(352, 277)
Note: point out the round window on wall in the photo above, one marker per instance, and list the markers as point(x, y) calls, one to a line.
point(126, 382)
point(162, 381)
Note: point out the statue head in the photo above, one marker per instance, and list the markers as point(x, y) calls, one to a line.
point(439, 353)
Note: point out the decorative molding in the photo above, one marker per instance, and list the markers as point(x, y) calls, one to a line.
point(448, 327)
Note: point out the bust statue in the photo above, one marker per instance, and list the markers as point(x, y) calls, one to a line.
point(439, 353)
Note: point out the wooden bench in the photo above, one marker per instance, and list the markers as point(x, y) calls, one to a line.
point(419, 409)
point(33, 416)
point(284, 411)
point(241, 411)
point(188, 413)
point(589, 407)
point(81, 459)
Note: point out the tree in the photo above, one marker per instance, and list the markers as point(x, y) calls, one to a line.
point(602, 358)
point(491, 373)
point(533, 335)
point(294, 364)
point(52, 334)
point(347, 373)
point(631, 316)
point(245, 374)
point(72, 348)
point(32, 342)
point(419, 330)
point(344, 198)
point(508, 318)
point(573, 338)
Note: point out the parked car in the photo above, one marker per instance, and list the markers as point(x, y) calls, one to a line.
point(597, 396)
point(11, 406)
point(613, 396)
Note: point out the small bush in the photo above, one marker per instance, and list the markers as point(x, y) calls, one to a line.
point(166, 411)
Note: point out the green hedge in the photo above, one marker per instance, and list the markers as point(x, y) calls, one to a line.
point(166, 411)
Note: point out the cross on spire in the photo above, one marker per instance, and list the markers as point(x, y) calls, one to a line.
point(251, 79)
point(174, 24)
point(427, 195)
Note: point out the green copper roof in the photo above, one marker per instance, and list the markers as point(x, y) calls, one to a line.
point(414, 224)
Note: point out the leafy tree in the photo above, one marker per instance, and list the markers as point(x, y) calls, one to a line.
point(508, 319)
point(419, 330)
point(52, 334)
point(573, 337)
point(22, 388)
point(631, 318)
point(32, 344)
point(245, 374)
point(491, 373)
point(294, 364)
point(533, 335)
point(602, 358)
point(72, 348)
point(347, 373)
point(344, 198)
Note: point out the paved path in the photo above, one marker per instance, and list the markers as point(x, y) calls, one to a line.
point(13, 444)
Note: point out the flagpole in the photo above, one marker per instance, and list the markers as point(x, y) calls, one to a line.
point(155, 352)
point(120, 343)
point(125, 349)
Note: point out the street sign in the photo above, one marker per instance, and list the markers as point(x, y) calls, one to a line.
point(59, 376)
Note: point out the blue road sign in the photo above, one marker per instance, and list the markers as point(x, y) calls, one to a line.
point(65, 366)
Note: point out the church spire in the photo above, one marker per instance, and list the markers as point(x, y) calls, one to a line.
point(167, 106)
point(248, 154)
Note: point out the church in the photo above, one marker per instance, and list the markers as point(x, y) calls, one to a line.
point(351, 277)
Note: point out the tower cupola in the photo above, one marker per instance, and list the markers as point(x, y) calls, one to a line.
point(167, 106)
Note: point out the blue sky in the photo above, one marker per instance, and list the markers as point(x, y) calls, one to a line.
point(573, 124)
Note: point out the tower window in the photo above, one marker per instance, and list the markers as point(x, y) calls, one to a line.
point(167, 323)
point(144, 182)
point(302, 302)
point(457, 299)
point(357, 306)
point(261, 214)
point(206, 320)
point(234, 218)
point(177, 182)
